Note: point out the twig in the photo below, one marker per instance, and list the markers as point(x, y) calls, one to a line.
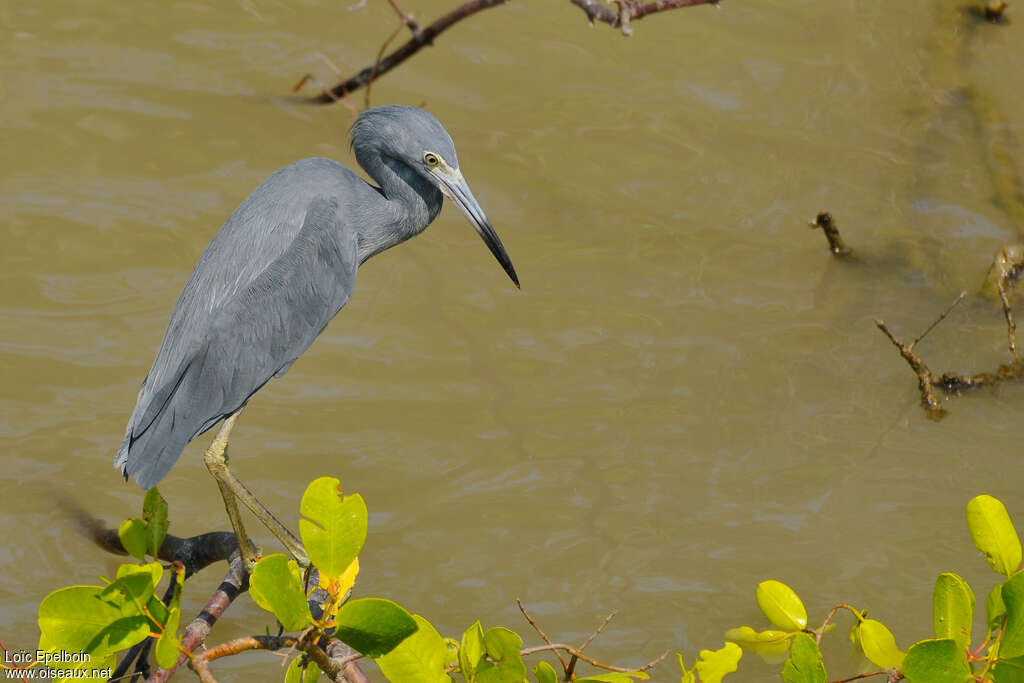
point(820, 631)
point(880, 672)
point(554, 647)
point(925, 377)
point(541, 633)
point(346, 657)
point(941, 317)
point(407, 19)
point(570, 670)
point(376, 64)
point(600, 628)
point(337, 668)
point(1011, 326)
point(425, 36)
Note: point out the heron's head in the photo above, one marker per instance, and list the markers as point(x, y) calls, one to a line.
point(415, 139)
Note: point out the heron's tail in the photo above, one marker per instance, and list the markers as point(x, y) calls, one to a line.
point(165, 420)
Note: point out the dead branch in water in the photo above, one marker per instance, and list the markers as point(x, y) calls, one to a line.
point(953, 383)
point(627, 11)
point(828, 225)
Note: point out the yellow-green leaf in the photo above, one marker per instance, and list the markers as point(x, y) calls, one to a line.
point(76, 619)
point(780, 605)
point(154, 513)
point(544, 672)
point(334, 527)
point(878, 644)
point(420, 658)
point(1012, 644)
point(772, 645)
point(471, 650)
point(941, 660)
point(168, 644)
point(953, 609)
point(713, 665)
point(993, 534)
point(132, 533)
point(302, 670)
point(805, 664)
point(276, 585)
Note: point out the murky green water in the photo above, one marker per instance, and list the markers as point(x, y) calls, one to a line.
point(688, 395)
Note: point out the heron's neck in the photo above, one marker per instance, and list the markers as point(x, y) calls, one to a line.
point(410, 204)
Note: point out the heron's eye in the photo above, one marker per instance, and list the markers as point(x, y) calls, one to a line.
point(431, 159)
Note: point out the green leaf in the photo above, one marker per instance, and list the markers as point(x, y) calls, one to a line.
point(995, 610)
point(132, 533)
point(302, 670)
point(373, 626)
point(780, 605)
point(1012, 644)
point(154, 512)
point(993, 534)
point(878, 644)
point(544, 672)
point(76, 619)
point(772, 645)
point(471, 650)
point(276, 585)
point(168, 644)
point(134, 585)
point(503, 662)
point(804, 664)
point(714, 665)
point(334, 528)
point(420, 658)
point(1008, 671)
point(942, 660)
point(953, 609)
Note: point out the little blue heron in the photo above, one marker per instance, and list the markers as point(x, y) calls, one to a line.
point(277, 271)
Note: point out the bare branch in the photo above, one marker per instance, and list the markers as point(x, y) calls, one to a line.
point(1011, 326)
point(554, 647)
point(423, 37)
point(880, 672)
point(938, 320)
point(926, 379)
point(595, 11)
point(541, 633)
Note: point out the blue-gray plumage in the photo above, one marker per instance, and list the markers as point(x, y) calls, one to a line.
point(280, 268)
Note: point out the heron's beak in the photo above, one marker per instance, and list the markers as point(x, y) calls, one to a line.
point(454, 186)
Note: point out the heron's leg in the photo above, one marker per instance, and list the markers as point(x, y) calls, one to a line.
point(232, 490)
point(215, 458)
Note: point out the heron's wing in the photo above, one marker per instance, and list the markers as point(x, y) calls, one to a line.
point(223, 345)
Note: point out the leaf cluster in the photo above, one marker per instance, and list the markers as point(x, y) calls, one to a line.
point(951, 656)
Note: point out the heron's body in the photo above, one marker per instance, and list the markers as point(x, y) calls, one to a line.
point(277, 271)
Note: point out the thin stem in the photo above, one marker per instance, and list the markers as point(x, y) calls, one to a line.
point(540, 632)
point(938, 320)
point(554, 647)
